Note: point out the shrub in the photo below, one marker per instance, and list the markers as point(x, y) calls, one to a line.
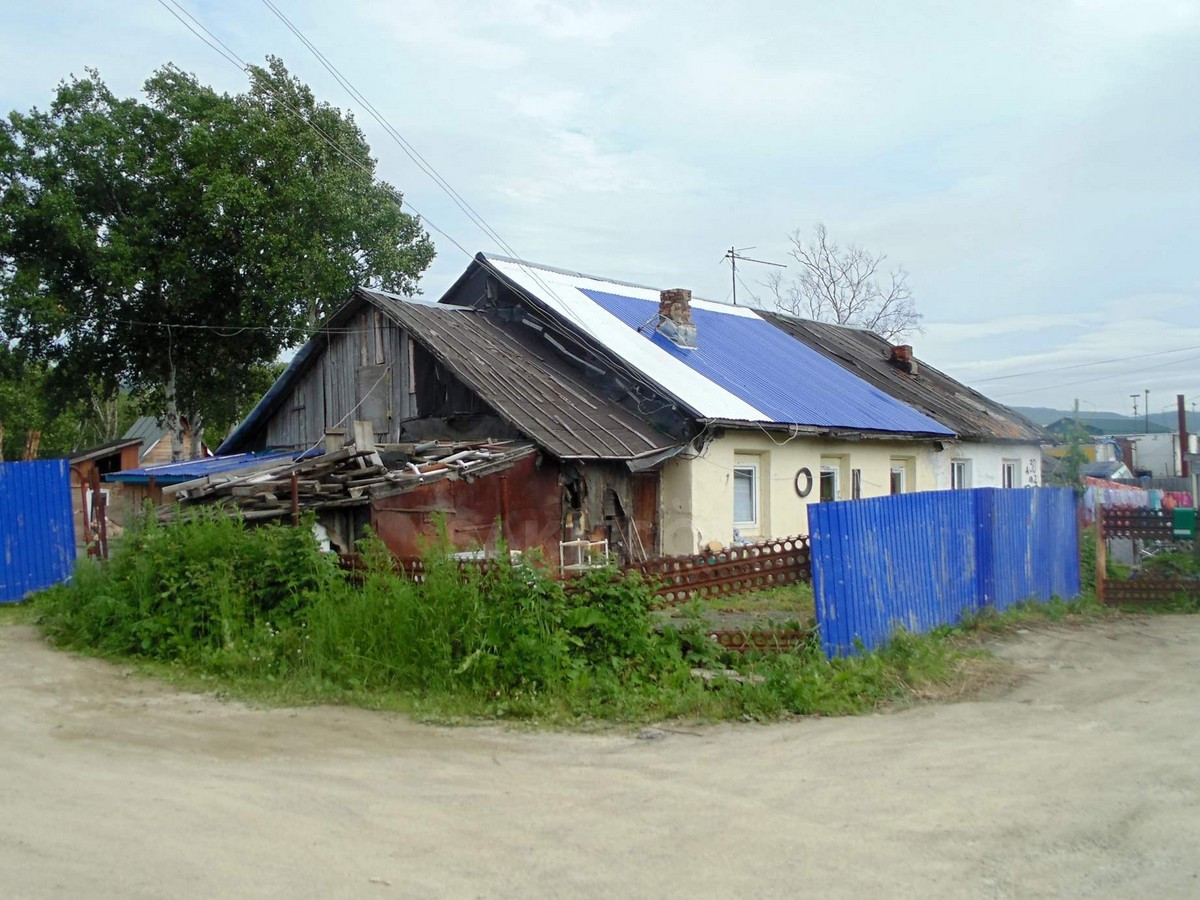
point(263, 609)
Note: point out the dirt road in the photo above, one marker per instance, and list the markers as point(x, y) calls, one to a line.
point(1084, 780)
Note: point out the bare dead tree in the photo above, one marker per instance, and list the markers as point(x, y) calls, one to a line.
point(844, 285)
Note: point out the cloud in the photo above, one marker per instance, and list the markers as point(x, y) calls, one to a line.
point(585, 22)
point(989, 329)
point(1031, 163)
point(449, 30)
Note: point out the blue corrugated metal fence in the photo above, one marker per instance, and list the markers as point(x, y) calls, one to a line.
point(37, 531)
point(921, 560)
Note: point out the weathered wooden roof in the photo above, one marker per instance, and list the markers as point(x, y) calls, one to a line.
point(527, 384)
point(968, 413)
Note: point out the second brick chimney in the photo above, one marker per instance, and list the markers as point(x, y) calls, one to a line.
point(902, 358)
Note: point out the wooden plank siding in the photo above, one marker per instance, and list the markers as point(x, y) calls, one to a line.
point(341, 387)
point(418, 370)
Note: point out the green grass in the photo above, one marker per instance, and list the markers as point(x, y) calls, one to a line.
point(14, 613)
point(793, 601)
point(1079, 611)
point(259, 614)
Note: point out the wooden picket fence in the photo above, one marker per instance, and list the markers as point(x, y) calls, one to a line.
point(733, 570)
point(1142, 590)
point(678, 579)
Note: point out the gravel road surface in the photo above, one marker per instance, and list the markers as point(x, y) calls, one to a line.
point(1082, 780)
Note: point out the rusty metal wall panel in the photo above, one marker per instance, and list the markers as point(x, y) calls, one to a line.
point(525, 498)
point(37, 533)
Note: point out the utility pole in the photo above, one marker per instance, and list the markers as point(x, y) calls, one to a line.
point(733, 254)
point(1135, 400)
point(1183, 436)
point(1146, 411)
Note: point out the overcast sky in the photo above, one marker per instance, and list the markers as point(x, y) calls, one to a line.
point(1034, 165)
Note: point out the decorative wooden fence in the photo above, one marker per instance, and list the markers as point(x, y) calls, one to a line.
point(1141, 590)
point(761, 641)
point(37, 529)
point(922, 560)
point(733, 570)
point(1137, 522)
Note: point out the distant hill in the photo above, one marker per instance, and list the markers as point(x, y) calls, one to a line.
point(1104, 422)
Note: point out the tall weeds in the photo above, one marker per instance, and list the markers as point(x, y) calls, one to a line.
point(261, 608)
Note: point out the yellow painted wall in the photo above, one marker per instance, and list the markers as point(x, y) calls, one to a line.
point(697, 493)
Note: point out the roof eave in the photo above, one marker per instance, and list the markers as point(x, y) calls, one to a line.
point(837, 432)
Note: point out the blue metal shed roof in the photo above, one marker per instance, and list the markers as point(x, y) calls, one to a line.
point(174, 473)
point(773, 372)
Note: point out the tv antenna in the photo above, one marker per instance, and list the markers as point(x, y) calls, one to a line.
point(733, 254)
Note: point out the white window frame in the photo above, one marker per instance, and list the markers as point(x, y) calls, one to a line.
point(856, 484)
point(1010, 473)
point(960, 474)
point(836, 472)
point(901, 471)
point(752, 469)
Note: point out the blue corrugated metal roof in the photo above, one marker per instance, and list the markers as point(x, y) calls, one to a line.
point(174, 473)
point(786, 380)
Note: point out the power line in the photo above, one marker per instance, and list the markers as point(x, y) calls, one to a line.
point(233, 58)
point(424, 165)
point(222, 49)
point(475, 217)
point(1100, 362)
point(409, 150)
point(1104, 377)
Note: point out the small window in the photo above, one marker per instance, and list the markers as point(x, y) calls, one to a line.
point(897, 480)
point(960, 474)
point(745, 496)
point(829, 484)
point(1009, 477)
point(856, 484)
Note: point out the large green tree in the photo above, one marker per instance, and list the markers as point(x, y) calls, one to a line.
point(170, 245)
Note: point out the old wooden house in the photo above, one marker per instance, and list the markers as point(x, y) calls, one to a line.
point(422, 372)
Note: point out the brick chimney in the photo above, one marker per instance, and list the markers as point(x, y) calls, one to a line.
point(902, 358)
point(675, 317)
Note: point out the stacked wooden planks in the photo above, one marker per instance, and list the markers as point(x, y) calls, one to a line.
point(344, 477)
